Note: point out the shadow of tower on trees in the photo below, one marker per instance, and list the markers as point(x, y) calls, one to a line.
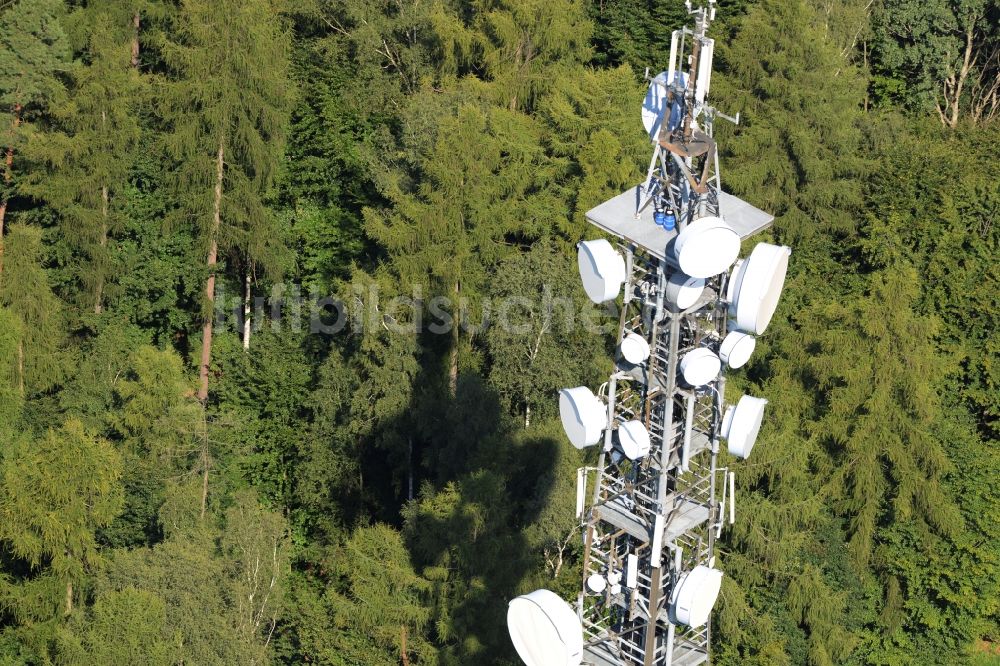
point(478, 484)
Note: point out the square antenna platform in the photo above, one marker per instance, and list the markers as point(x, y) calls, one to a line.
point(617, 217)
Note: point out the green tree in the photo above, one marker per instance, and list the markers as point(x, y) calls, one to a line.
point(365, 427)
point(797, 151)
point(636, 32)
point(538, 339)
point(227, 108)
point(526, 45)
point(157, 424)
point(938, 56)
point(220, 579)
point(90, 151)
point(10, 395)
point(57, 491)
point(26, 294)
point(122, 627)
point(264, 397)
point(456, 536)
point(34, 51)
point(256, 547)
point(384, 606)
point(484, 182)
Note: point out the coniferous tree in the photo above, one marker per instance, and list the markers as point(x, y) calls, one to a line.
point(57, 491)
point(34, 51)
point(90, 152)
point(526, 45)
point(384, 603)
point(11, 399)
point(798, 146)
point(123, 627)
point(484, 182)
point(226, 110)
point(40, 361)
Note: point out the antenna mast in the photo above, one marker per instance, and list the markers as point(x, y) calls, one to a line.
point(651, 509)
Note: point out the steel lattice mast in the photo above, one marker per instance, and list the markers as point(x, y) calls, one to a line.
point(652, 508)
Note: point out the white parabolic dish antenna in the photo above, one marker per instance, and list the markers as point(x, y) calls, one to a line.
point(602, 269)
point(583, 416)
point(654, 107)
point(683, 291)
point(545, 630)
point(741, 425)
point(736, 349)
point(634, 439)
point(596, 583)
point(755, 286)
point(634, 348)
point(695, 595)
point(700, 366)
point(706, 247)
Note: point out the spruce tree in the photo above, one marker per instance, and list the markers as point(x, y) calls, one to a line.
point(90, 151)
point(796, 152)
point(40, 362)
point(34, 52)
point(485, 181)
point(526, 45)
point(226, 106)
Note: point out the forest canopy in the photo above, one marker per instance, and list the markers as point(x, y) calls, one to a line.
point(254, 403)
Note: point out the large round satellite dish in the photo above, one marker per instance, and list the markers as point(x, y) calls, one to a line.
point(545, 630)
point(602, 269)
point(683, 291)
point(741, 425)
point(583, 416)
point(706, 247)
point(654, 107)
point(634, 348)
point(736, 349)
point(634, 439)
point(755, 286)
point(695, 595)
point(700, 366)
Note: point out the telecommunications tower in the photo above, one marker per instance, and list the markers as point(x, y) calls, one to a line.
point(652, 508)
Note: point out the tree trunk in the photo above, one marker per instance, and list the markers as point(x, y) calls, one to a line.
point(409, 464)
point(453, 360)
point(135, 39)
point(204, 477)
point(246, 310)
point(7, 175)
point(213, 255)
point(205, 463)
point(953, 85)
point(20, 367)
point(103, 241)
point(402, 646)
point(963, 74)
point(531, 362)
point(69, 598)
